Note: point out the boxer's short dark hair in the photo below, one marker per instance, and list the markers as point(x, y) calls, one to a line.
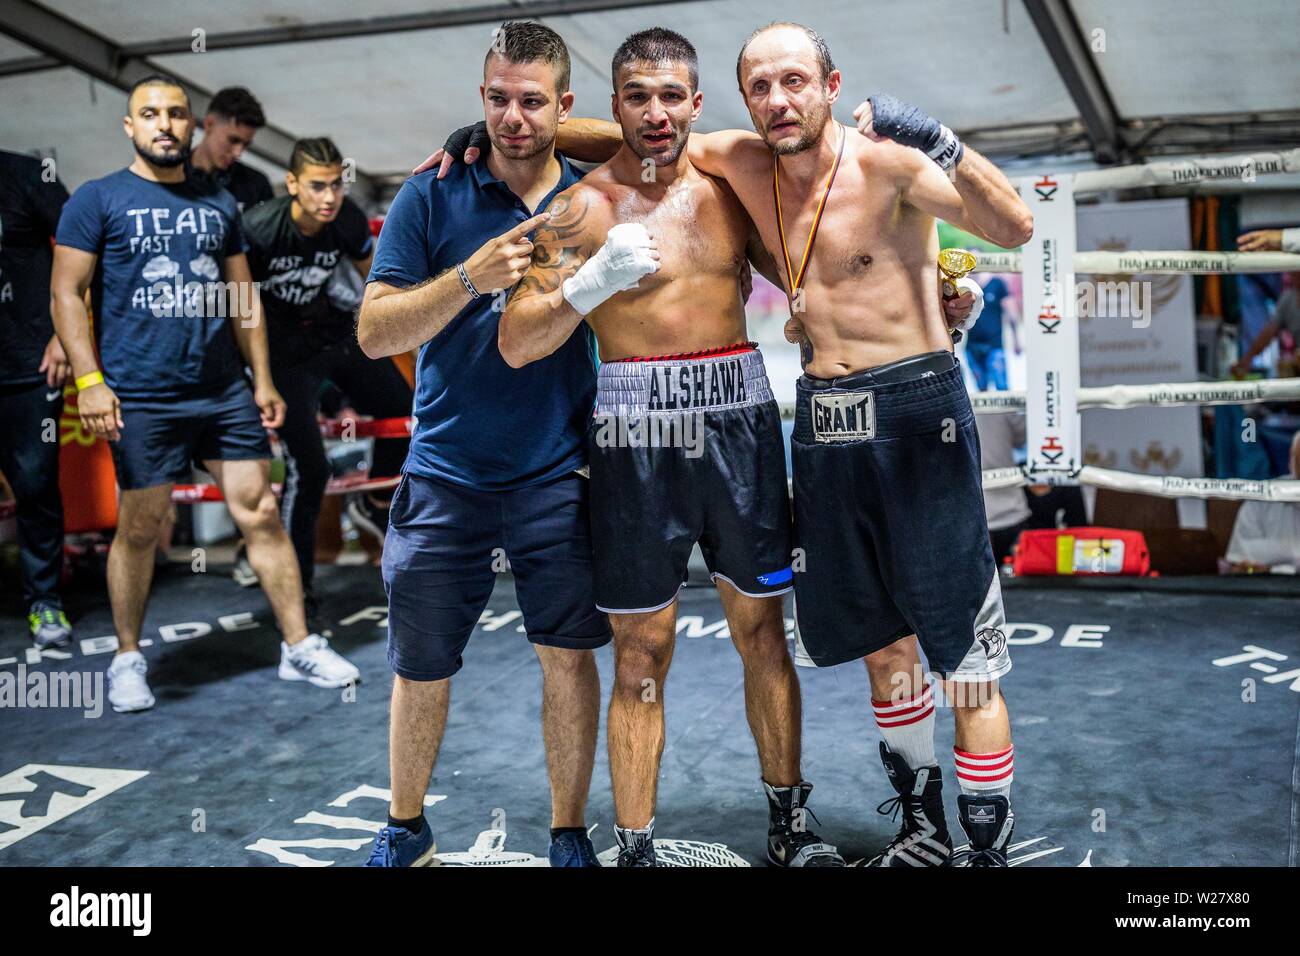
point(520, 41)
point(238, 104)
point(825, 65)
point(657, 45)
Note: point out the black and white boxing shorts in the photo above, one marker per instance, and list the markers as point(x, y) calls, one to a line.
point(685, 449)
point(890, 533)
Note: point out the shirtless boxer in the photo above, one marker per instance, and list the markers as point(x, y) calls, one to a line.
point(686, 442)
point(889, 514)
point(881, 408)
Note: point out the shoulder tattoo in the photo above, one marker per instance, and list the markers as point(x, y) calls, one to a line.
point(557, 246)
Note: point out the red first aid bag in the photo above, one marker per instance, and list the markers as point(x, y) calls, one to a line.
point(1084, 551)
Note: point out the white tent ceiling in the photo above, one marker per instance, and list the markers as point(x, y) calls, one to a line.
point(1168, 74)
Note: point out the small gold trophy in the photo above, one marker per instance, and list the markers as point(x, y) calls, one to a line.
point(954, 263)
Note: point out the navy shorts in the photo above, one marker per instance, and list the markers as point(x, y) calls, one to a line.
point(687, 450)
point(445, 546)
point(889, 514)
point(164, 438)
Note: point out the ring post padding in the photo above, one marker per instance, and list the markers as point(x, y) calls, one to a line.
point(1052, 332)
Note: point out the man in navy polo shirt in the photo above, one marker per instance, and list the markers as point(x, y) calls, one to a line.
point(495, 452)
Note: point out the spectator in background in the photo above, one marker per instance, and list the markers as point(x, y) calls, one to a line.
point(985, 354)
point(1286, 316)
point(1007, 510)
point(234, 116)
point(1266, 534)
point(33, 367)
point(1270, 240)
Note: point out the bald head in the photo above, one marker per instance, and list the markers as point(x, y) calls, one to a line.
point(785, 40)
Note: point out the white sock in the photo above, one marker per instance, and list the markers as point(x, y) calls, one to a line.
point(985, 774)
point(907, 725)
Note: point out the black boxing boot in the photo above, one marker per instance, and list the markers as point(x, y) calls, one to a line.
point(636, 847)
point(988, 821)
point(922, 839)
point(789, 841)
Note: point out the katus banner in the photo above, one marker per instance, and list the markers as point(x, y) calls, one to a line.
point(1051, 329)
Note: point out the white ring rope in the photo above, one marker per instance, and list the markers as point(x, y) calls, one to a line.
point(1137, 396)
point(1134, 396)
point(1173, 486)
point(1011, 477)
point(1184, 172)
point(1154, 262)
point(1164, 486)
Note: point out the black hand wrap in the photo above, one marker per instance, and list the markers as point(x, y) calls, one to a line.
point(910, 126)
point(467, 137)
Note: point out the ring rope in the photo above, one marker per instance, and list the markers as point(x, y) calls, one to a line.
point(1135, 396)
point(1164, 486)
point(1164, 395)
point(348, 428)
point(1184, 172)
point(205, 492)
point(1169, 262)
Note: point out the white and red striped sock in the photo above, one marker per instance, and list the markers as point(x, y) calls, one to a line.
point(985, 774)
point(907, 725)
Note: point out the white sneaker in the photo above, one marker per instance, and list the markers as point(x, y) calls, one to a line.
point(127, 689)
point(312, 660)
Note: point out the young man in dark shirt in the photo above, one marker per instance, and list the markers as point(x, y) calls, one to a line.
point(295, 243)
point(233, 119)
point(177, 322)
point(33, 368)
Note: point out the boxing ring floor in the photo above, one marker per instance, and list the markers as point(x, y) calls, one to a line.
point(1133, 746)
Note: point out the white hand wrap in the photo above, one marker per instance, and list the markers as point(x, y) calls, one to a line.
point(619, 265)
point(967, 284)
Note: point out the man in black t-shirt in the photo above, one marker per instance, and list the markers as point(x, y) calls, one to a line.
point(295, 243)
point(33, 368)
point(233, 119)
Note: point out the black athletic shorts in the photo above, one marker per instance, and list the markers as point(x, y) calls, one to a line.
point(164, 438)
point(890, 533)
point(684, 450)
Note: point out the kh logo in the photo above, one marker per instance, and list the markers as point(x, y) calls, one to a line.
point(1048, 319)
point(1046, 188)
point(1052, 450)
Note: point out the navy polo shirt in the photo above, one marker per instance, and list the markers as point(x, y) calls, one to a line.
point(479, 422)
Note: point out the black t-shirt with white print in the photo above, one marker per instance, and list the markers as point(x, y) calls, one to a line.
point(293, 271)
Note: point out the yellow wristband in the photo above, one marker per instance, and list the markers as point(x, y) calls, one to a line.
point(90, 378)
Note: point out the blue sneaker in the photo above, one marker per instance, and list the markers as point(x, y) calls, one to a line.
point(572, 849)
point(398, 846)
